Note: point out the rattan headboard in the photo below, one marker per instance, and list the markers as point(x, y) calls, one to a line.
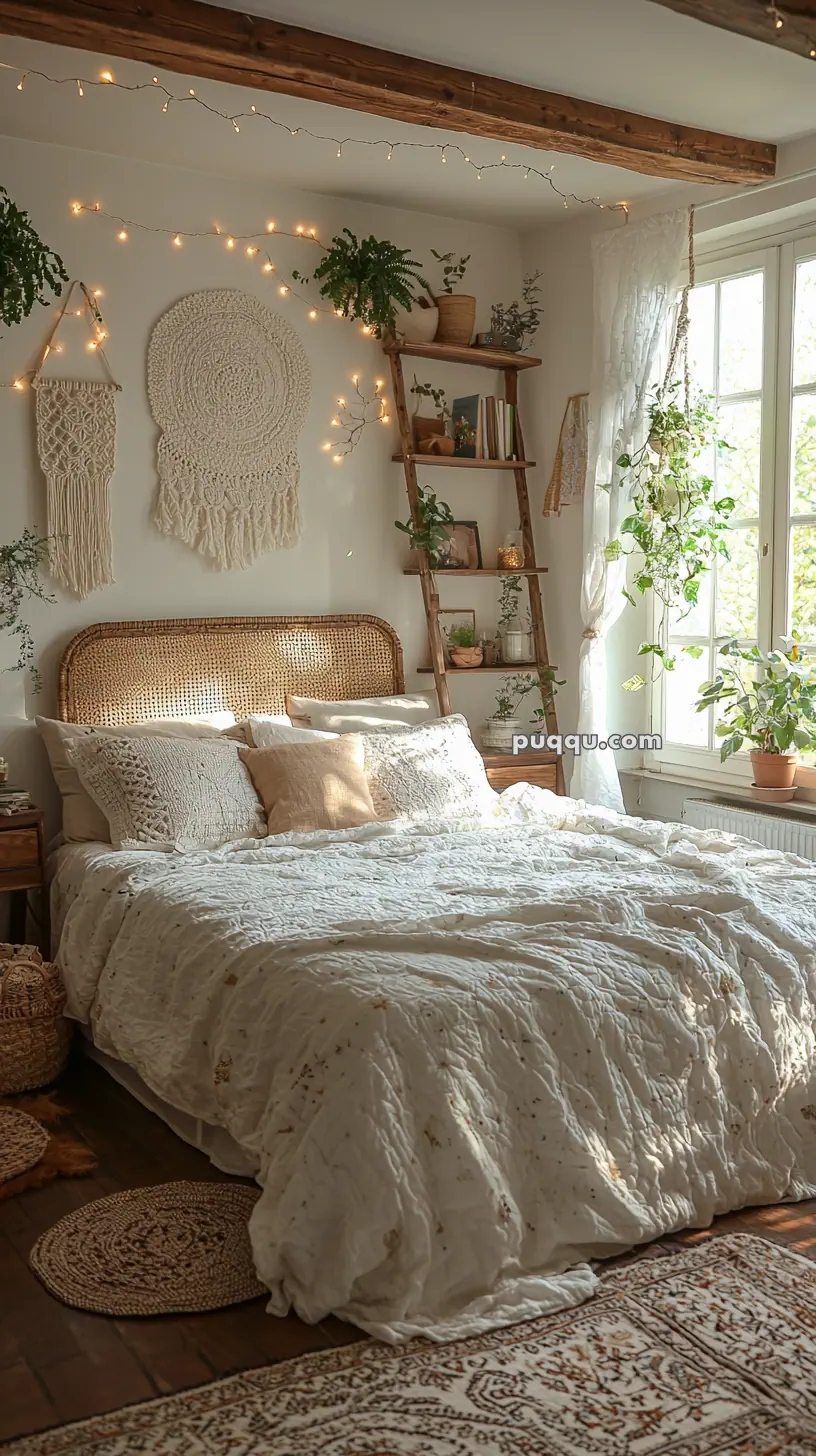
point(130, 672)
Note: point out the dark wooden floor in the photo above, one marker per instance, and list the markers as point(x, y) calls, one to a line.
point(58, 1364)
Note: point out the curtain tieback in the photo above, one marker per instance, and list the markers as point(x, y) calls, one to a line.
point(590, 633)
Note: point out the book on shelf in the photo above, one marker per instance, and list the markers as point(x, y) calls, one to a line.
point(484, 428)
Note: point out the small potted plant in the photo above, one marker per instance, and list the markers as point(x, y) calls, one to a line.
point(769, 701)
point(430, 432)
point(367, 280)
point(514, 328)
point(515, 630)
point(457, 311)
point(465, 650)
point(503, 723)
point(429, 532)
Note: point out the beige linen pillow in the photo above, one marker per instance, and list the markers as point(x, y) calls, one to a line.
point(168, 793)
point(361, 715)
point(82, 819)
point(306, 786)
point(434, 771)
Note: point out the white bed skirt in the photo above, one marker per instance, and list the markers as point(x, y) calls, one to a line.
point(215, 1142)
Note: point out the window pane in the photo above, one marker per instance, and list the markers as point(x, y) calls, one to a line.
point(803, 493)
point(701, 336)
point(804, 327)
point(741, 334)
point(682, 689)
point(803, 583)
point(697, 622)
point(738, 468)
point(738, 586)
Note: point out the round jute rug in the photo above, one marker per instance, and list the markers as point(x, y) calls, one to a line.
point(172, 1248)
point(22, 1143)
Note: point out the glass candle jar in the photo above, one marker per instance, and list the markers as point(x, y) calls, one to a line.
point(510, 555)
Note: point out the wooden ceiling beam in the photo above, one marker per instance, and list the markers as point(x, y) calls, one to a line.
point(751, 18)
point(227, 45)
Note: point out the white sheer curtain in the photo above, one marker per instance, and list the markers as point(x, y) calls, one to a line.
point(636, 276)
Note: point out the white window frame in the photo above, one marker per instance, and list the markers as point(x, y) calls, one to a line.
point(705, 763)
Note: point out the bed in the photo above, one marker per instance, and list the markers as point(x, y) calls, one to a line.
point(462, 1060)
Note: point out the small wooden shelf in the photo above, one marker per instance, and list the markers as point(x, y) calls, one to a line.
point(479, 571)
point(464, 354)
point(505, 667)
point(463, 462)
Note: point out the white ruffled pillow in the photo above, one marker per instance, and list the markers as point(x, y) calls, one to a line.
point(272, 732)
point(362, 715)
point(434, 771)
point(169, 793)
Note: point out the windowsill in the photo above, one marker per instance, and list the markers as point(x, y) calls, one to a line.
point(737, 793)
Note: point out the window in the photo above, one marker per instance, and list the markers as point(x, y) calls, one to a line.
point(752, 345)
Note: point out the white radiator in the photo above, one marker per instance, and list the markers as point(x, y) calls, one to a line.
point(777, 832)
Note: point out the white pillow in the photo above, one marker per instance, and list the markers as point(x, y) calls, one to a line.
point(434, 771)
point(270, 732)
point(169, 793)
point(362, 715)
point(82, 820)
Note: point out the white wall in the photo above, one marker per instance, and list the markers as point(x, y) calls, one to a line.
point(350, 556)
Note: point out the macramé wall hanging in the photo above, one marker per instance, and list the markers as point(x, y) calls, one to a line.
point(76, 443)
point(229, 386)
point(568, 477)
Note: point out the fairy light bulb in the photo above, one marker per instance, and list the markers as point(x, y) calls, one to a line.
point(335, 425)
point(122, 235)
point(59, 347)
point(355, 378)
point(312, 313)
point(230, 242)
point(97, 293)
point(337, 459)
point(106, 76)
point(283, 290)
point(299, 230)
point(378, 384)
point(166, 104)
point(339, 151)
point(390, 154)
point(312, 232)
point(91, 344)
point(192, 92)
point(21, 83)
point(76, 208)
point(366, 329)
point(327, 445)
point(79, 88)
point(155, 80)
point(236, 127)
point(19, 384)
point(270, 227)
point(269, 267)
point(177, 241)
point(250, 251)
point(444, 158)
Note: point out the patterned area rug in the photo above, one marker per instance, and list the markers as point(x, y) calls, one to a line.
point(705, 1353)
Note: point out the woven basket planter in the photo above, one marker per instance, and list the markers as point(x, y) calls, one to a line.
point(457, 315)
point(34, 1034)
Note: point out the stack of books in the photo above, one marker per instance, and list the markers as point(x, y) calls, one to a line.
point(484, 427)
point(12, 800)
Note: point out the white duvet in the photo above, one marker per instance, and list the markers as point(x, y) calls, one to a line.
point(466, 1061)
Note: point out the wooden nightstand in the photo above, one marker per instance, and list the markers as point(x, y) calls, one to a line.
point(22, 868)
point(532, 767)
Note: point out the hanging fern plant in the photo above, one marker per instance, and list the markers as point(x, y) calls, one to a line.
point(367, 280)
point(28, 269)
point(677, 523)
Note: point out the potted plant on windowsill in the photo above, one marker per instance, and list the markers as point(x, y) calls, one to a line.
point(769, 701)
point(457, 311)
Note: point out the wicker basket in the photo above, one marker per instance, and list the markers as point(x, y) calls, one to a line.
point(34, 1034)
point(457, 315)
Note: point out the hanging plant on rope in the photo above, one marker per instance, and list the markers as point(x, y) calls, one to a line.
point(677, 523)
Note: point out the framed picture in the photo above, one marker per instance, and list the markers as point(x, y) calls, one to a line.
point(449, 619)
point(463, 550)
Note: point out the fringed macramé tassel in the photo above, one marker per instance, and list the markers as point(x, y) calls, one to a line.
point(76, 440)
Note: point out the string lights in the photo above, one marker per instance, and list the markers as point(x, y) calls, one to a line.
point(97, 327)
point(781, 19)
point(352, 419)
point(442, 149)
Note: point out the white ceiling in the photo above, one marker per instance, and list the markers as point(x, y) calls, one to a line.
point(626, 53)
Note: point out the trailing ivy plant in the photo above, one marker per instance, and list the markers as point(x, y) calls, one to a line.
point(20, 563)
point(453, 269)
point(677, 523)
point(438, 396)
point(27, 267)
point(768, 698)
point(367, 280)
point(514, 688)
point(520, 320)
point(429, 533)
point(509, 600)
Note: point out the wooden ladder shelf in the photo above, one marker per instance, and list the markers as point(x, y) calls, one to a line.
point(510, 364)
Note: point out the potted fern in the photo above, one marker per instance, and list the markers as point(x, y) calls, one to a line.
point(367, 280)
point(768, 700)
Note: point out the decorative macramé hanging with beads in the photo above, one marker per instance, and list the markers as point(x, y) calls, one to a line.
point(76, 442)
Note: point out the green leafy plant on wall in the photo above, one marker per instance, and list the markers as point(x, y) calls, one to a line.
point(429, 532)
point(367, 280)
point(677, 523)
point(28, 269)
point(20, 563)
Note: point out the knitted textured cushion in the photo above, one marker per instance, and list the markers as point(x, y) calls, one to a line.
point(434, 771)
point(169, 793)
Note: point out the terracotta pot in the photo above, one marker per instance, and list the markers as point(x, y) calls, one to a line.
point(774, 770)
point(467, 656)
point(772, 796)
point(417, 327)
point(457, 315)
